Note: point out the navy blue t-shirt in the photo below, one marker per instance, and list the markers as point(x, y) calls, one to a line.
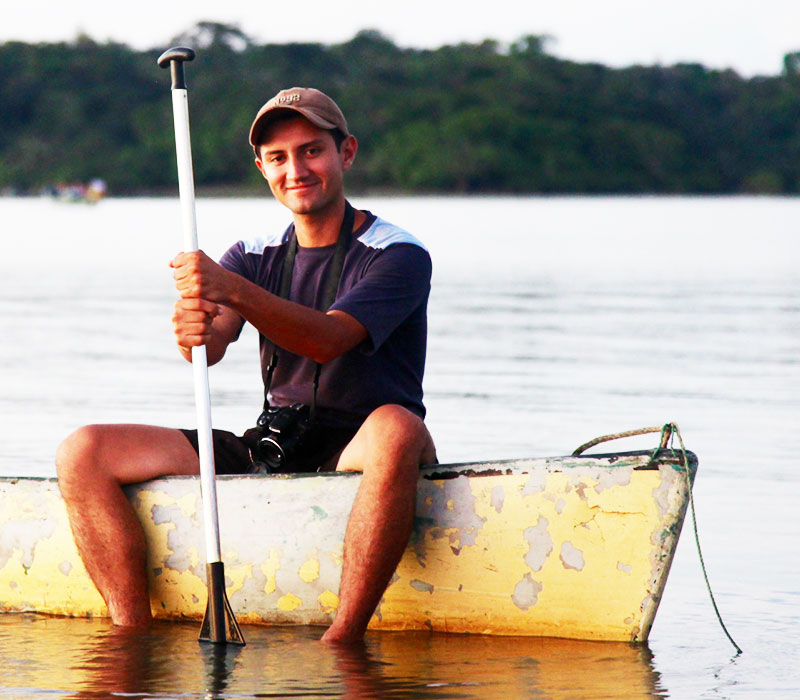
point(385, 285)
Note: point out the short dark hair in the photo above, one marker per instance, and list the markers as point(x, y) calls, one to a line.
point(338, 138)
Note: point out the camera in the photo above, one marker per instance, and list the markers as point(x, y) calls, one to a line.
point(283, 431)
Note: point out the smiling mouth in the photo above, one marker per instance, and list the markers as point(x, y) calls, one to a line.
point(301, 187)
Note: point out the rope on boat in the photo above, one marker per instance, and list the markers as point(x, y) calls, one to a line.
point(669, 431)
point(665, 430)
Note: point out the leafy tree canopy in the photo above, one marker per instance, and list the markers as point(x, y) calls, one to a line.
point(462, 118)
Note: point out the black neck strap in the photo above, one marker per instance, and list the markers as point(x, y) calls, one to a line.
point(331, 285)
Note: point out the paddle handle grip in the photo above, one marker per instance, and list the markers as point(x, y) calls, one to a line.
point(174, 59)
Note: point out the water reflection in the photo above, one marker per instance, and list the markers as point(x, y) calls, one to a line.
point(361, 674)
point(118, 660)
point(165, 658)
point(85, 659)
point(506, 667)
point(220, 662)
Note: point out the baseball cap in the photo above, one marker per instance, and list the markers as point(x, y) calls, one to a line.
point(314, 105)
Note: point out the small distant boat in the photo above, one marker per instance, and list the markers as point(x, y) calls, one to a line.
point(576, 547)
point(91, 192)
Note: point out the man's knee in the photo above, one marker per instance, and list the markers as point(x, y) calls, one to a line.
point(399, 419)
point(390, 434)
point(76, 454)
point(392, 426)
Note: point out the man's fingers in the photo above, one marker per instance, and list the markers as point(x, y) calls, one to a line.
point(182, 259)
point(192, 319)
point(198, 304)
point(198, 276)
point(195, 316)
point(190, 334)
point(194, 331)
point(187, 273)
point(182, 318)
point(191, 341)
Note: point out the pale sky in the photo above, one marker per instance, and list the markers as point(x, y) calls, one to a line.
point(750, 36)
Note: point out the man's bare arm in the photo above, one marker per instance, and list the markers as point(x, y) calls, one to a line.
point(297, 328)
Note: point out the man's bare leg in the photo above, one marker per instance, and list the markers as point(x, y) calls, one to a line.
point(93, 464)
point(389, 448)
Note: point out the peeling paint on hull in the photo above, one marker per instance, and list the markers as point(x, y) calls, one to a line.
point(575, 547)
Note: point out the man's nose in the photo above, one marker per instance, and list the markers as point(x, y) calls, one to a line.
point(296, 168)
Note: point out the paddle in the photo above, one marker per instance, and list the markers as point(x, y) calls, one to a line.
point(219, 624)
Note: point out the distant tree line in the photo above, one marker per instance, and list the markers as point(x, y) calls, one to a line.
point(463, 118)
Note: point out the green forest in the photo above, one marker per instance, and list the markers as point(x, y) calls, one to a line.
point(466, 118)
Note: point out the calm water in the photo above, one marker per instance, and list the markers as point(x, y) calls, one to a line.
point(552, 321)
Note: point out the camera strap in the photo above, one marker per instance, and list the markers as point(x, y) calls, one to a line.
point(331, 285)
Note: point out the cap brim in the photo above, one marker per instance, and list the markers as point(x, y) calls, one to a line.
point(263, 120)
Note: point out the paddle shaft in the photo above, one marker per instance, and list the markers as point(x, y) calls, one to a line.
point(183, 147)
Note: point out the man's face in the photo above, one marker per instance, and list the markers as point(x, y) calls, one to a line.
point(302, 165)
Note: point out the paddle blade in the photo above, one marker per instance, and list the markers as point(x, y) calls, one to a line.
point(219, 624)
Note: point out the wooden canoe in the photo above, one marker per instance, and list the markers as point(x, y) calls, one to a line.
point(576, 547)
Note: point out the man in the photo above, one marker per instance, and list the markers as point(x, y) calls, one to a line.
point(370, 344)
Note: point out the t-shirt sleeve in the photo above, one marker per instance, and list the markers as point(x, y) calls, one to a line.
point(396, 282)
point(236, 260)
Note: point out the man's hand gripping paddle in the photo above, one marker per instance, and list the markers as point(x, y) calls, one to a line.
point(219, 624)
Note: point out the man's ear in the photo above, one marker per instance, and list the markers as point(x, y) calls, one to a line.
point(349, 149)
point(260, 167)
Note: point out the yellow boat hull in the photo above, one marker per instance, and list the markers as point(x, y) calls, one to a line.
point(574, 547)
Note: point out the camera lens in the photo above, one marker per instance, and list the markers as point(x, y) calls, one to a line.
point(272, 454)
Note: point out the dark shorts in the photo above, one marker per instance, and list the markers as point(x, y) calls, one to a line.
point(234, 454)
